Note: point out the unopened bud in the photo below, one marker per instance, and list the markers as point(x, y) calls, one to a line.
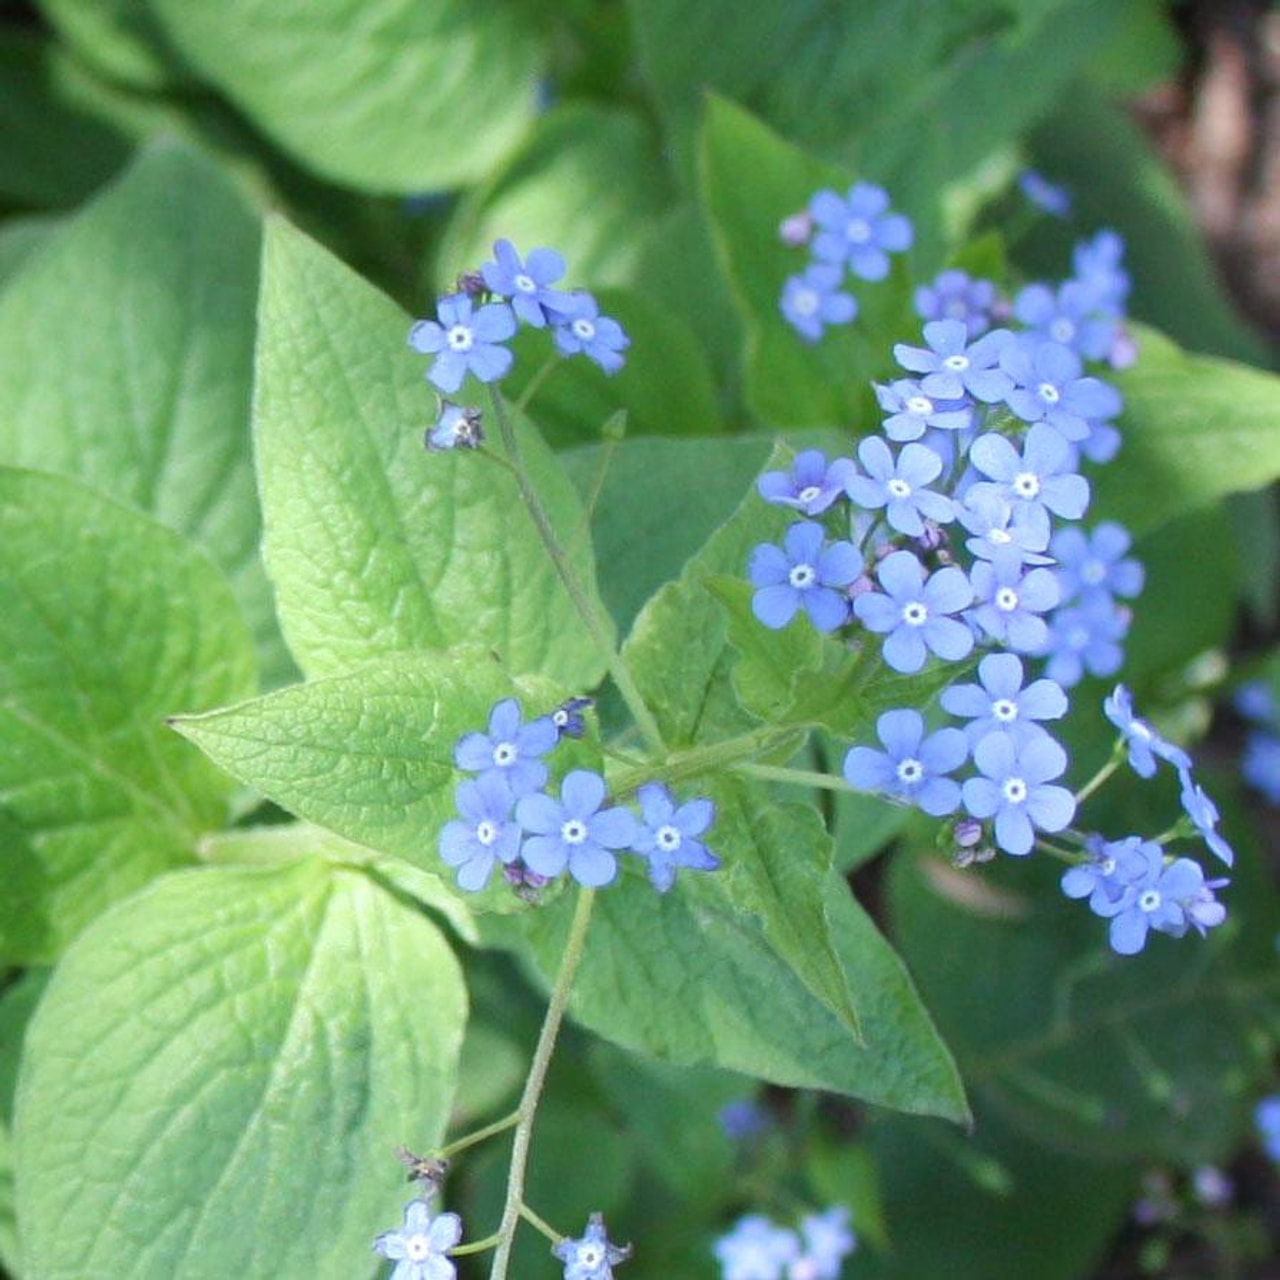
point(471, 283)
point(795, 230)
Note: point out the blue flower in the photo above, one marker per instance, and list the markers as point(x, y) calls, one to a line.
point(1266, 1118)
point(1095, 564)
point(1204, 816)
point(527, 283)
point(952, 365)
point(900, 487)
point(592, 1257)
point(1048, 387)
point(1260, 764)
point(418, 1249)
point(463, 342)
point(1068, 315)
point(580, 329)
point(1101, 878)
point(1048, 196)
point(813, 300)
point(914, 613)
point(1255, 701)
point(668, 837)
point(810, 486)
point(756, 1249)
point(912, 412)
point(1169, 898)
point(485, 834)
point(987, 516)
point(954, 295)
point(912, 767)
point(809, 573)
point(1086, 637)
point(1009, 600)
point(742, 1119)
point(1015, 789)
point(457, 427)
point(1034, 483)
point(999, 704)
point(568, 719)
point(828, 1241)
point(859, 230)
point(574, 832)
point(510, 748)
point(1096, 263)
point(1143, 742)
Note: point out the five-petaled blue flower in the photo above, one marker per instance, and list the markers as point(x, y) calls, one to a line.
point(1000, 704)
point(593, 1256)
point(859, 230)
point(510, 748)
point(420, 1246)
point(1097, 267)
point(485, 832)
point(1048, 386)
point(527, 283)
point(828, 1240)
point(1167, 897)
point(465, 341)
point(912, 413)
point(568, 718)
point(954, 295)
point(1015, 789)
point(912, 767)
point(913, 612)
point(1068, 315)
point(457, 427)
point(987, 516)
point(1260, 764)
point(806, 572)
point(1143, 742)
point(580, 329)
point(810, 486)
point(813, 300)
point(574, 833)
point(1009, 601)
point(756, 1249)
point(1095, 564)
point(1101, 877)
point(669, 837)
point(900, 486)
point(1040, 480)
point(952, 365)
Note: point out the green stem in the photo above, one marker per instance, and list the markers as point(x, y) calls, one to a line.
point(470, 1139)
point(1057, 851)
point(794, 777)
point(535, 384)
point(540, 1224)
point(1098, 779)
point(537, 1078)
point(696, 761)
point(476, 1246)
point(587, 608)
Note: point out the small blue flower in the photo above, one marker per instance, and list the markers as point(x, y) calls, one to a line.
point(1266, 1118)
point(1101, 877)
point(1255, 701)
point(1168, 897)
point(464, 341)
point(743, 1119)
point(511, 748)
point(914, 613)
point(669, 836)
point(806, 572)
point(756, 1249)
point(987, 516)
point(859, 230)
point(419, 1248)
point(953, 366)
point(810, 486)
point(900, 486)
point(999, 704)
point(1048, 386)
point(828, 1241)
point(1086, 637)
point(955, 295)
point(580, 329)
point(912, 767)
point(574, 832)
point(1096, 564)
point(527, 283)
point(912, 412)
point(1015, 789)
point(1040, 480)
point(568, 718)
point(1143, 742)
point(1051, 197)
point(457, 427)
point(1009, 601)
point(1096, 263)
point(485, 834)
point(1204, 816)
point(1260, 764)
point(592, 1257)
point(813, 300)
point(1068, 315)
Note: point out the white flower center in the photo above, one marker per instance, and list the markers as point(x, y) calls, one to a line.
point(910, 771)
point(809, 493)
point(573, 831)
point(1062, 330)
point(459, 338)
point(806, 302)
point(668, 838)
point(1107, 866)
point(559, 717)
point(1006, 599)
point(1078, 638)
point(999, 536)
point(1015, 790)
point(583, 329)
point(486, 832)
point(920, 404)
point(956, 309)
point(915, 614)
point(898, 488)
point(957, 364)
point(526, 284)
point(1049, 393)
point(1004, 710)
point(589, 1255)
point(1026, 484)
point(858, 231)
point(1149, 900)
point(802, 576)
point(417, 1248)
point(1139, 729)
point(505, 754)
point(1093, 572)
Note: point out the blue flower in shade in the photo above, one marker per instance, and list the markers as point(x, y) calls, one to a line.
point(568, 717)
point(592, 1257)
point(999, 703)
point(1068, 315)
point(900, 486)
point(1086, 638)
point(1266, 1118)
point(527, 283)
point(1260, 764)
point(756, 1249)
point(912, 412)
point(1015, 789)
point(743, 1119)
point(810, 486)
point(806, 572)
point(953, 366)
point(1096, 263)
point(465, 341)
point(813, 300)
point(485, 834)
point(1009, 601)
point(420, 1246)
point(989, 518)
point(1143, 742)
point(580, 329)
point(1101, 877)
point(1255, 701)
point(1096, 564)
point(669, 836)
point(955, 295)
point(913, 613)
point(1034, 483)
point(859, 230)
point(1169, 898)
point(912, 767)
point(828, 1240)
point(456, 428)
point(510, 748)
point(1048, 196)
point(574, 832)
point(1048, 387)
point(1204, 816)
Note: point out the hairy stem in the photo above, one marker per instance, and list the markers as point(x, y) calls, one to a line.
point(470, 1139)
point(695, 761)
point(1098, 779)
point(540, 1224)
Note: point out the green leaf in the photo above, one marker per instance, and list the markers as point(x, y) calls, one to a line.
point(374, 545)
point(17, 1004)
point(412, 97)
point(20, 238)
point(108, 622)
point(150, 401)
point(119, 38)
point(261, 1040)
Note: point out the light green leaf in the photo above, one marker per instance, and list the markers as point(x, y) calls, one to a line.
point(126, 351)
point(17, 1004)
point(119, 38)
point(108, 623)
point(20, 238)
point(393, 96)
point(374, 545)
point(261, 1039)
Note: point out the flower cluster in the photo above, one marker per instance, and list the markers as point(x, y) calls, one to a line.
point(759, 1249)
point(473, 324)
point(507, 816)
point(855, 233)
point(1261, 762)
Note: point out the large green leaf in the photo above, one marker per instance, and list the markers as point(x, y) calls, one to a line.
point(17, 1004)
point(108, 622)
point(375, 546)
point(126, 351)
point(261, 1039)
point(20, 238)
point(390, 95)
point(119, 38)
